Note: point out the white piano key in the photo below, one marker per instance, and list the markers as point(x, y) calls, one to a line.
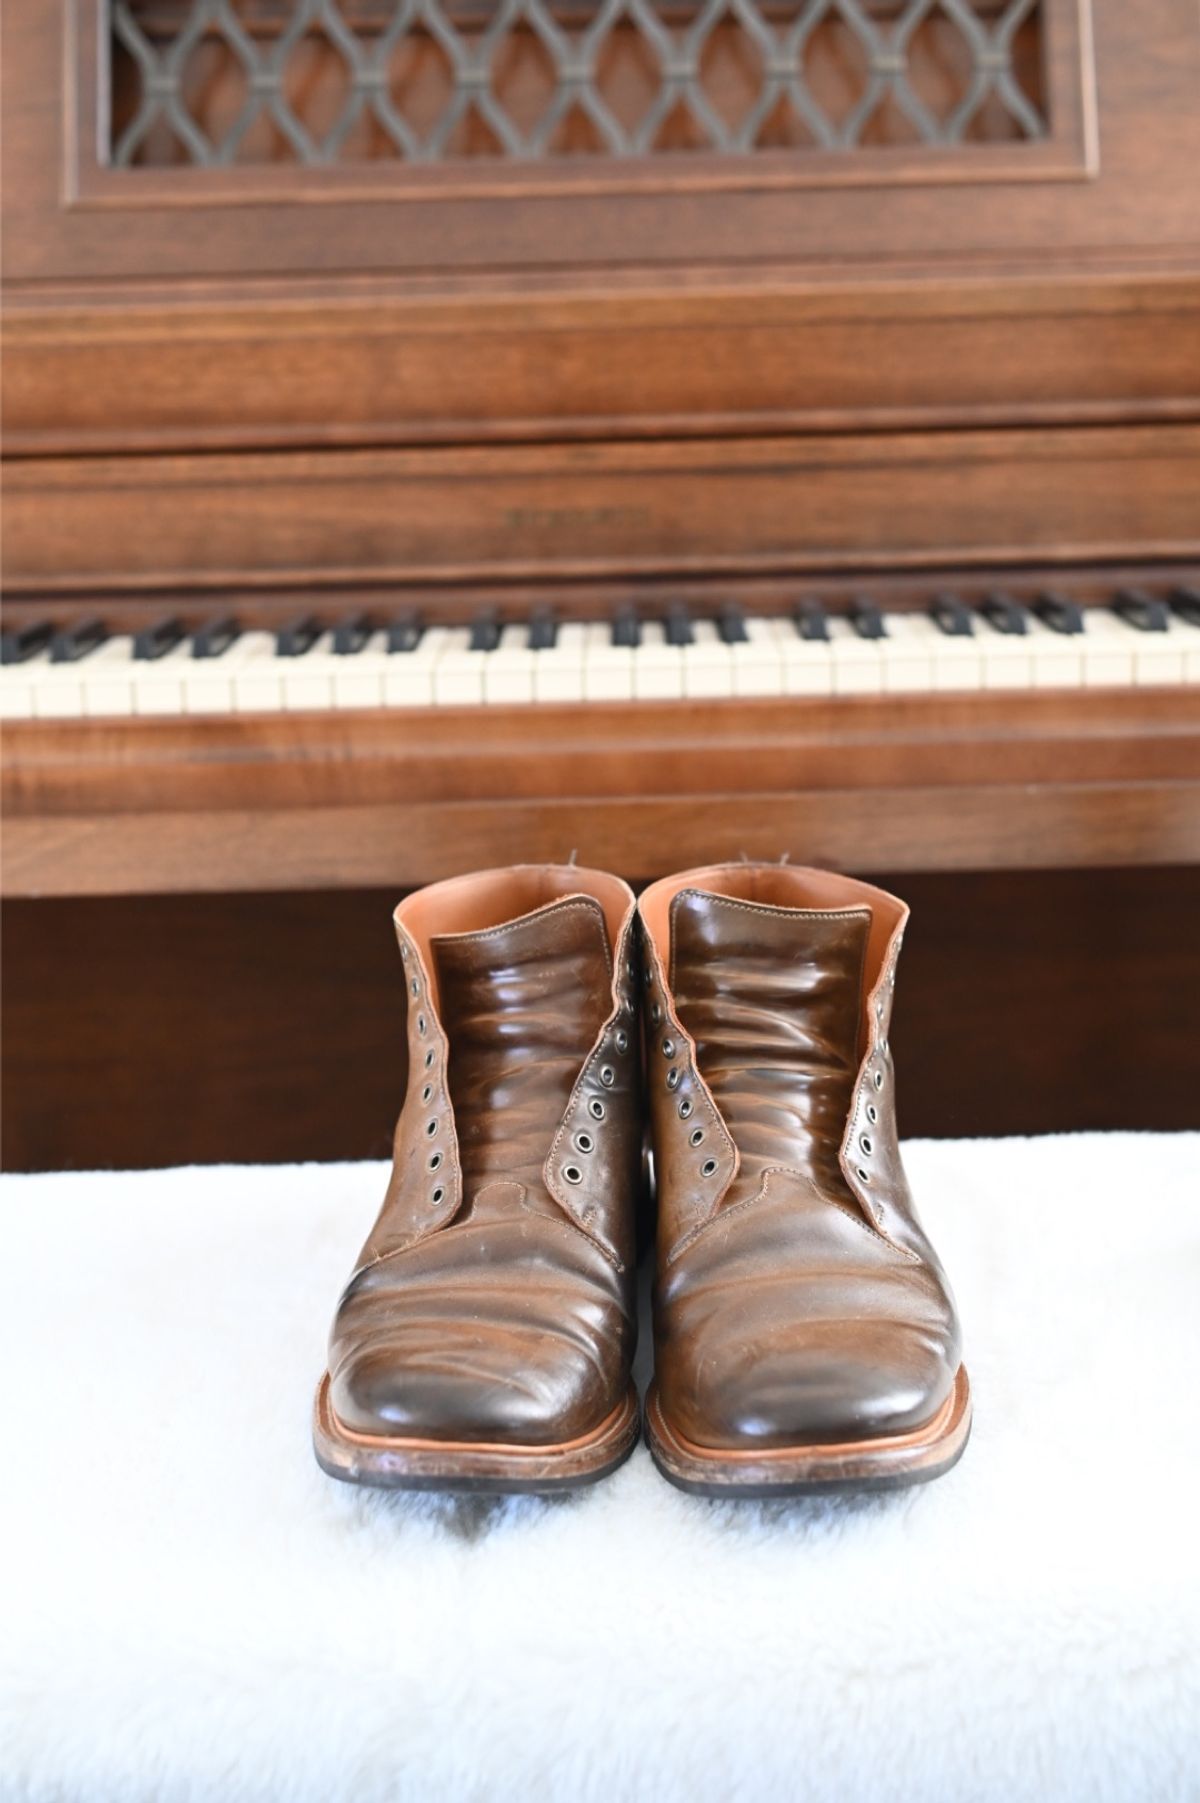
point(158, 681)
point(707, 666)
point(756, 662)
point(408, 676)
point(358, 676)
point(558, 671)
point(1005, 657)
point(1055, 658)
point(210, 683)
point(957, 661)
point(508, 670)
point(1108, 648)
point(857, 662)
point(1187, 637)
point(258, 677)
point(458, 674)
point(807, 664)
point(607, 668)
point(108, 677)
point(908, 659)
point(657, 666)
point(55, 690)
point(21, 685)
point(307, 681)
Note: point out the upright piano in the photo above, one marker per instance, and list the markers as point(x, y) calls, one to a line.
point(453, 433)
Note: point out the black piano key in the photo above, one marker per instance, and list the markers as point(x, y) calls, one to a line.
point(214, 638)
point(485, 633)
point(626, 629)
point(543, 630)
point(404, 634)
point(75, 642)
point(811, 620)
point(731, 625)
point(867, 619)
point(677, 626)
point(297, 637)
point(1006, 615)
point(1186, 602)
point(155, 641)
point(351, 635)
point(18, 646)
point(1142, 611)
point(952, 616)
point(1059, 614)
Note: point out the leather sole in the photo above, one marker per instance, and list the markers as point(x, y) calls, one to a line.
point(500, 1468)
point(887, 1463)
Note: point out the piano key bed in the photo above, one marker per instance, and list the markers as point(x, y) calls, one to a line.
point(84, 671)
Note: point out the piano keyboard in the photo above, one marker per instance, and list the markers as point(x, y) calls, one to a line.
point(84, 671)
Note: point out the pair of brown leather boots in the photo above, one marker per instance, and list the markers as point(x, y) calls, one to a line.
point(805, 1334)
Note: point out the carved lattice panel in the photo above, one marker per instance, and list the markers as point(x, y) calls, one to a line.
point(318, 82)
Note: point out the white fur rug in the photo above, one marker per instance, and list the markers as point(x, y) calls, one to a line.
point(189, 1609)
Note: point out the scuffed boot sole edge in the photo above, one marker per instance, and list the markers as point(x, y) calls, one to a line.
point(889, 1463)
point(472, 1467)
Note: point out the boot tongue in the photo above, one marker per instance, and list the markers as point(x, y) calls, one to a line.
point(521, 1005)
point(773, 998)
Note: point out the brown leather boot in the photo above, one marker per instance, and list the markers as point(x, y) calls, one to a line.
point(805, 1332)
point(484, 1341)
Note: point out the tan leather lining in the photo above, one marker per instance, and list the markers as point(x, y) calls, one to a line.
point(491, 898)
point(779, 886)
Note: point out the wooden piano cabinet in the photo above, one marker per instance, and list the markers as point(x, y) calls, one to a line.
point(159, 1030)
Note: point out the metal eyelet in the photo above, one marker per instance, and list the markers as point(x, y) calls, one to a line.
point(621, 1040)
point(415, 986)
point(429, 1058)
point(656, 1014)
point(696, 1136)
point(427, 1092)
point(879, 1079)
point(421, 1025)
point(596, 1108)
point(673, 1077)
point(435, 1161)
point(431, 1128)
point(708, 1167)
point(608, 1075)
point(879, 1010)
point(867, 1143)
point(584, 1142)
point(572, 1173)
point(685, 1108)
point(872, 1113)
point(668, 1048)
point(647, 976)
point(437, 1195)
point(863, 1176)
point(404, 953)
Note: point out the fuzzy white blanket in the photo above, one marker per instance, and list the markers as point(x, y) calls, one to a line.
point(189, 1609)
